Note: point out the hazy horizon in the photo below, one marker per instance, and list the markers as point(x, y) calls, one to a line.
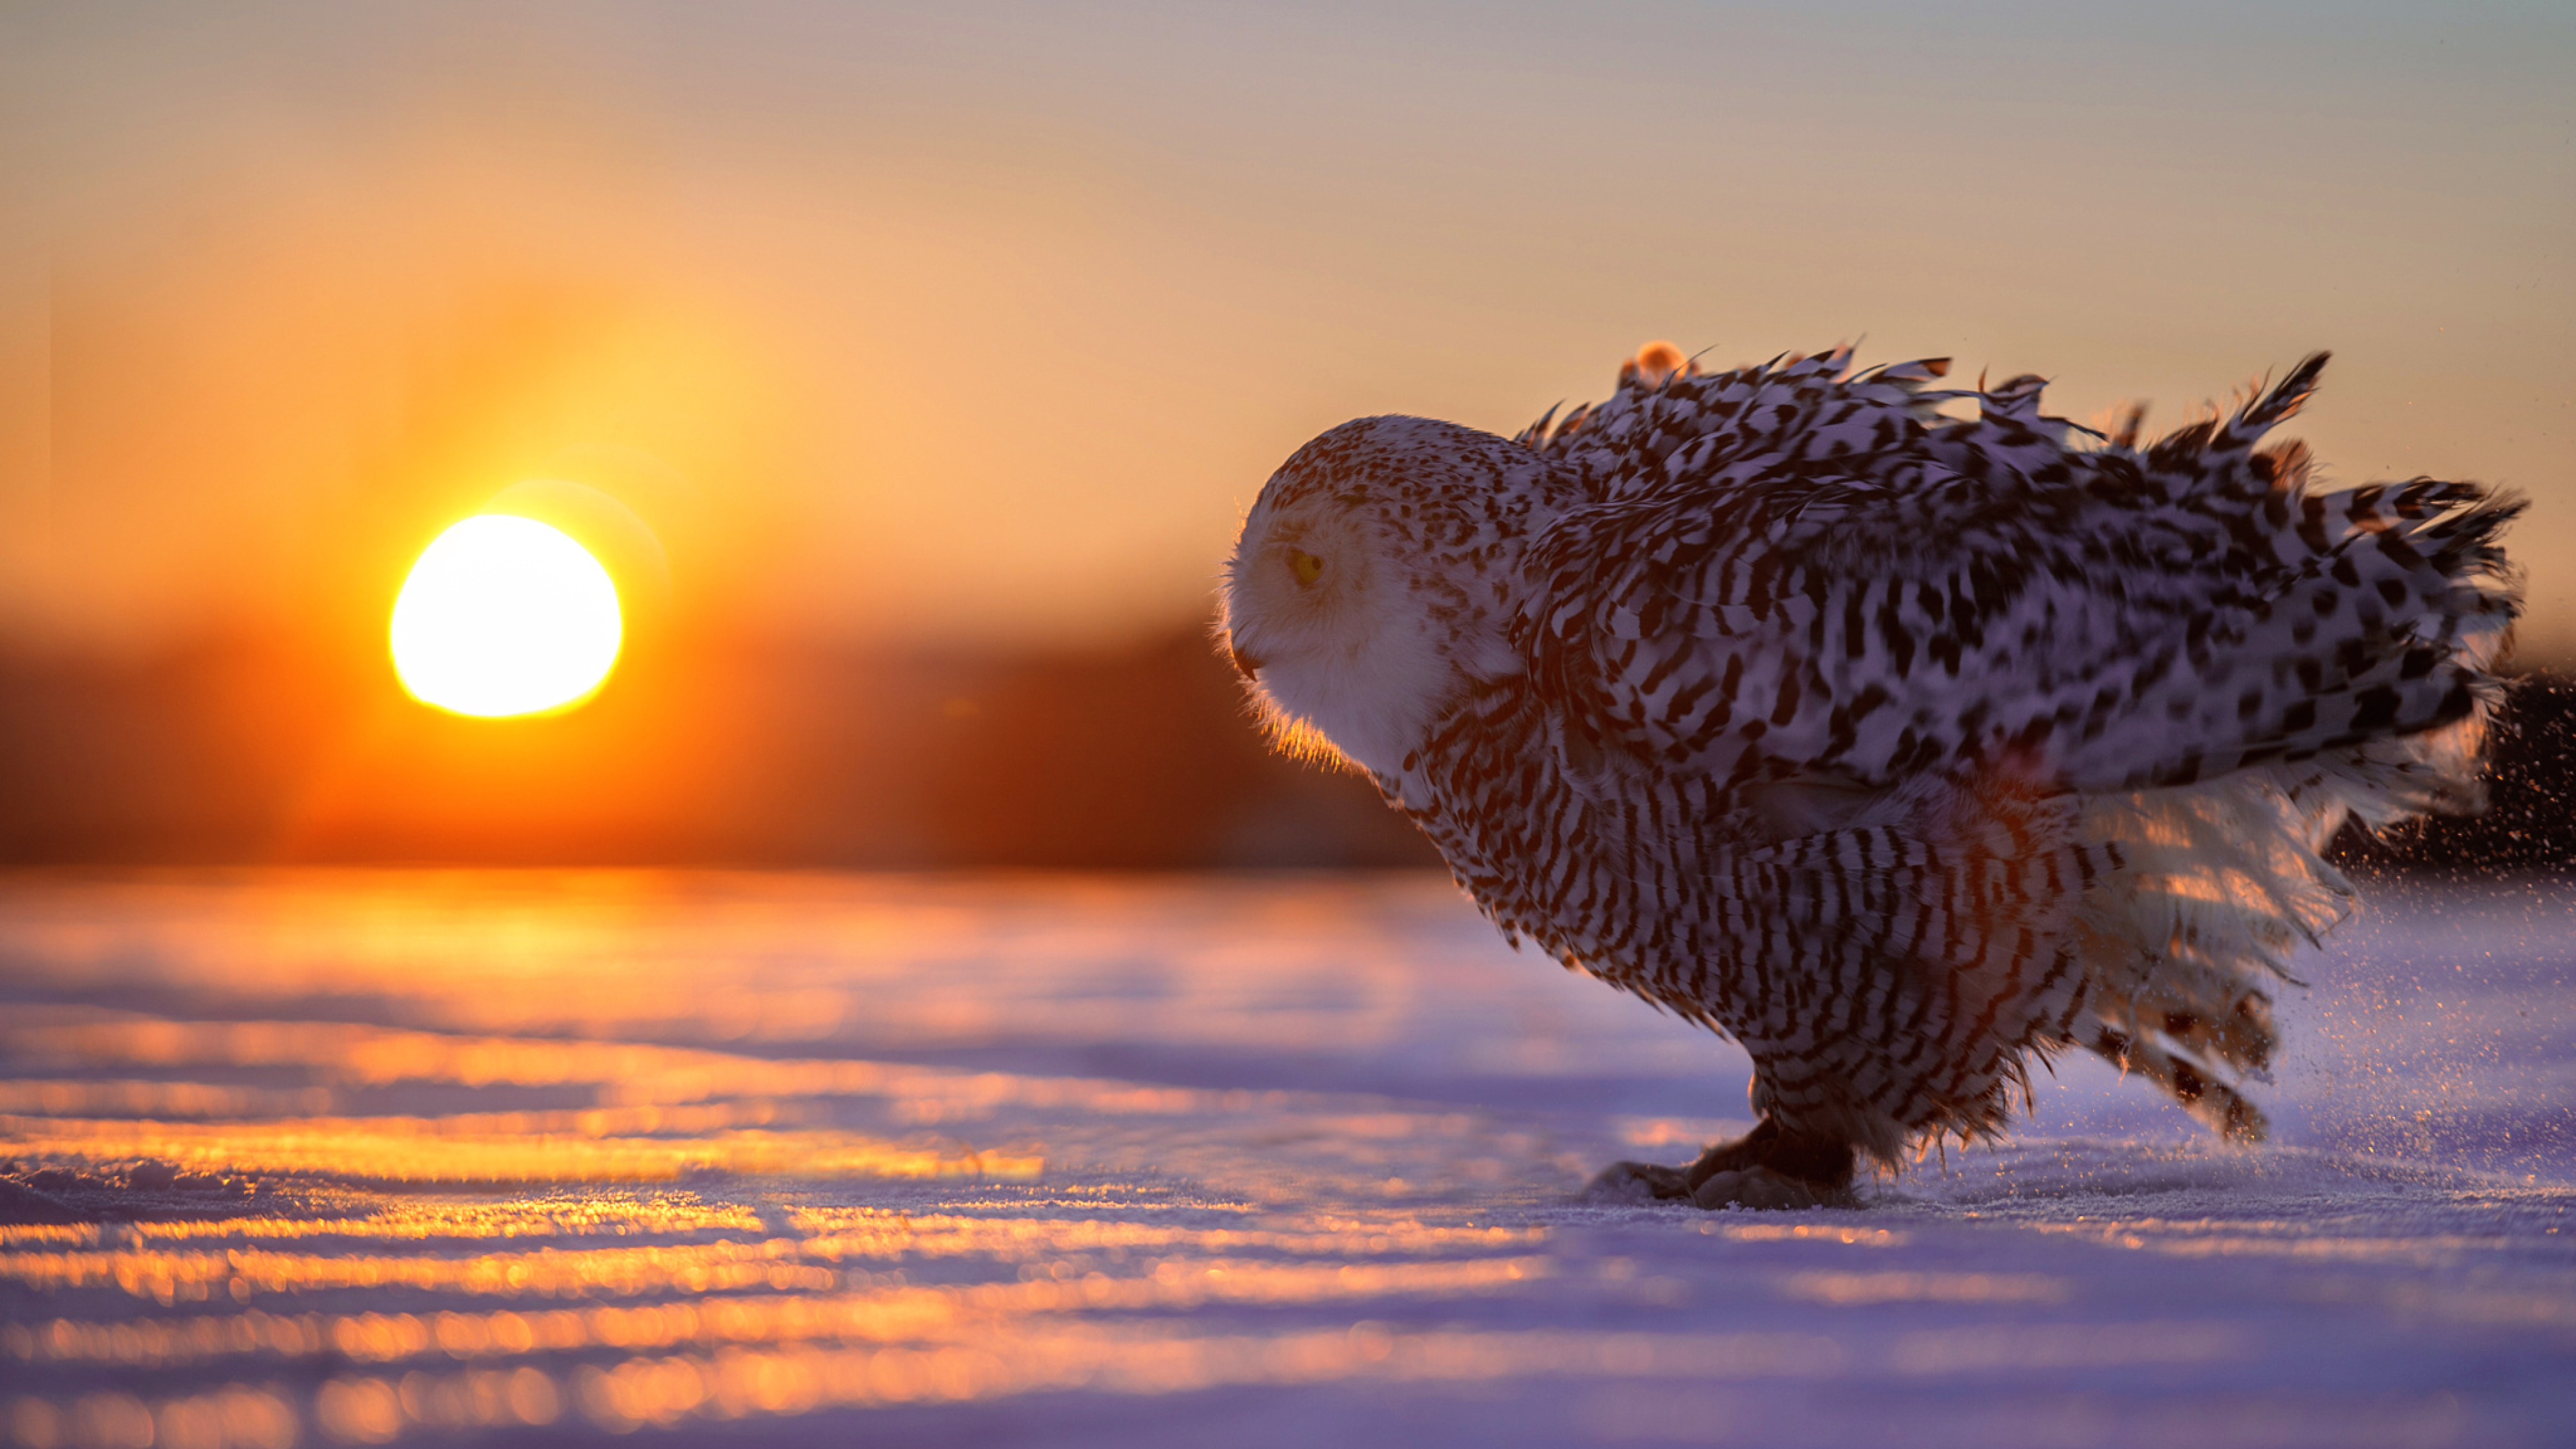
point(984, 327)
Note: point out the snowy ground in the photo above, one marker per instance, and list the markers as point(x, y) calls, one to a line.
point(321, 1158)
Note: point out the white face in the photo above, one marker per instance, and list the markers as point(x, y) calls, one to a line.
point(1322, 619)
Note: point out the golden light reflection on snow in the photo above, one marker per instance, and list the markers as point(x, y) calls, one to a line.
point(319, 1160)
point(236, 1416)
point(896, 1313)
point(608, 959)
point(503, 1147)
point(734, 1383)
point(621, 1074)
point(533, 1252)
point(601, 1215)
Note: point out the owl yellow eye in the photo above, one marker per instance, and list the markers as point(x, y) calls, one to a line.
point(1306, 566)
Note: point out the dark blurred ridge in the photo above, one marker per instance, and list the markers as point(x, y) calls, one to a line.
point(1142, 756)
point(777, 755)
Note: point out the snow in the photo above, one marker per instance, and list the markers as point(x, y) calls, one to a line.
point(370, 1156)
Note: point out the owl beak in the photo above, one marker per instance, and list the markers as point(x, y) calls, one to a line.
point(1247, 665)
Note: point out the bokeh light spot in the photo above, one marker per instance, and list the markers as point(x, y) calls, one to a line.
point(505, 616)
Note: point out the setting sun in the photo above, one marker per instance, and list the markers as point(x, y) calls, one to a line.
point(505, 616)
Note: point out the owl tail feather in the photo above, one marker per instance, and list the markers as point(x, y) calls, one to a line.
point(2120, 1037)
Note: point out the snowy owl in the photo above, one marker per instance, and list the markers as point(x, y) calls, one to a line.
point(1897, 745)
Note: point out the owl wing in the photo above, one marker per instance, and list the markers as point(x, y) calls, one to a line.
point(1785, 574)
point(1668, 421)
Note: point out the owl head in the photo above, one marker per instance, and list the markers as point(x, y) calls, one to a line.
point(1374, 578)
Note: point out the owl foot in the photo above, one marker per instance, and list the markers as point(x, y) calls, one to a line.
point(1773, 1167)
point(1637, 1182)
point(1760, 1187)
point(1769, 1167)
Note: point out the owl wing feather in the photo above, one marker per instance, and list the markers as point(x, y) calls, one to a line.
point(1786, 573)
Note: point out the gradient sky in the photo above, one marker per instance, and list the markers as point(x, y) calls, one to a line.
point(988, 324)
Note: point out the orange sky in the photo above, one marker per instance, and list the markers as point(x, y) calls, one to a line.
point(988, 326)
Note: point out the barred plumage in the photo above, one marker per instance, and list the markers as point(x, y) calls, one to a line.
point(1897, 746)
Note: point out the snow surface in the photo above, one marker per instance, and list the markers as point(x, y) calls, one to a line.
point(356, 1157)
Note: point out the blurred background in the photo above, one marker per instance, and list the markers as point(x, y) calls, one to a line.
point(940, 352)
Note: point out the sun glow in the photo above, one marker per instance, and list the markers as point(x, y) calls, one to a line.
point(505, 616)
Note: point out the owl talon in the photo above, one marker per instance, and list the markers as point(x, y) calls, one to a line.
point(1773, 1167)
point(1762, 1188)
point(1768, 1167)
point(1638, 1182)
